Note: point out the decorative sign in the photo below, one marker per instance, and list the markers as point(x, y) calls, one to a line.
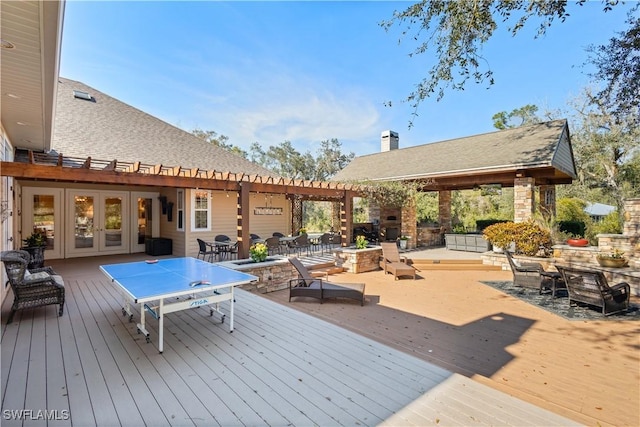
point(267, 211)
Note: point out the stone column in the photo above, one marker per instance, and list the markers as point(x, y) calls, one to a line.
point(523, 200)
point(444, 210)
point(408, 226)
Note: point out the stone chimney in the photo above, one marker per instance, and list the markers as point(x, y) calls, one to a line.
point(388, 141)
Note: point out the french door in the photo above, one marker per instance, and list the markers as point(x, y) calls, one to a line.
point(97, 223)
point(42, 212)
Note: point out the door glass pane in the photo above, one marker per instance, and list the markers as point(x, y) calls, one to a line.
point(113, 221)
point(83, 221)
point(43, 217)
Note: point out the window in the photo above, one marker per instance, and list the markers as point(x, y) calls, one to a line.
point(201, 203)
point(180, 209)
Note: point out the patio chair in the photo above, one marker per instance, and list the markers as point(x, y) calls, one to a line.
point(591, 287)
point(299, 243)
point(35, 288)
point(273, 245)
point(305, 285)
point(277, 234)
point(525, 274)
point(394, 263)
point(203, 249)
point(326, 241)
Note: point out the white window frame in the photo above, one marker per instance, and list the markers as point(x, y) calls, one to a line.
point(194, 210)
point(180, 219)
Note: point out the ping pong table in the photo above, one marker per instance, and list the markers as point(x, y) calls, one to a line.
point(169, 285)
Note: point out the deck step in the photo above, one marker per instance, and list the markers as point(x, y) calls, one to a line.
point(453, 265)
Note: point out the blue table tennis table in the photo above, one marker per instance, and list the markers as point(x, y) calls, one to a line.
point(168, 285)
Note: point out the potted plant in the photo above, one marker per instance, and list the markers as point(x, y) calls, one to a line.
point(577, 241)
point(403, 242)
point(35, 245)
point(258, 252)
point(614, 258)
point(361, 242)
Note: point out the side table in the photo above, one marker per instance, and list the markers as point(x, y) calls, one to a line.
point(556, 282)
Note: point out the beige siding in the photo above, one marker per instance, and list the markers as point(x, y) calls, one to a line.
point(265, 225)
point(169, 229)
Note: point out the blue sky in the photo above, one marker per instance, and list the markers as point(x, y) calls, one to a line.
point(308, 71)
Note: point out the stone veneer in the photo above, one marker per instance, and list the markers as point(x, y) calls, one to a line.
point(358, 260)
point(523, 200)
point(272, 275)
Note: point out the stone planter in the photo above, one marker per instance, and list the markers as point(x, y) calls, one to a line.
point(403, 244)
point(358, 260)
point(273, 274)
point(612, 262)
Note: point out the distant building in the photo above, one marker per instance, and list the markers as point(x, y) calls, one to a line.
point(597, 211)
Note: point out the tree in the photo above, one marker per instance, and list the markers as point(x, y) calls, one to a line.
point(218, 140)
point(330, 159)
point(286, 161)
point(607, 150)
point(526, 114)
point(457, 30)
point(618, 66)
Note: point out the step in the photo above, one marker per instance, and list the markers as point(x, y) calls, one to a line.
point(453, 265)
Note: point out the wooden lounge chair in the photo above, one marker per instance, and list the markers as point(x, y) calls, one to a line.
point(31, 288)
point(394, 263)
point(305, 285)
point(591, 287)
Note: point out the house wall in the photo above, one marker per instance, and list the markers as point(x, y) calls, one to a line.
point(6, 207)
point(224, 220)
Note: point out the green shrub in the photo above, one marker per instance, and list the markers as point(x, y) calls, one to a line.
point(573, 227)
point(481, 224)
point(530, 238)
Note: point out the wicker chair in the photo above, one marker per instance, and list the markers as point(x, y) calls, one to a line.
point(591, 287)
point(34, 288)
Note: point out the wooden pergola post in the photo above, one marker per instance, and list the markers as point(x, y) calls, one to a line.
point(243, 220)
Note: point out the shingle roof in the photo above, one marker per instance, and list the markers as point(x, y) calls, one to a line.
point(106, 128)
point(517, 148)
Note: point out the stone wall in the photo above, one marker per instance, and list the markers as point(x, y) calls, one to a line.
point(272, 275)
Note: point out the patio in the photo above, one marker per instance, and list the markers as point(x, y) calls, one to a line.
point(404, 358)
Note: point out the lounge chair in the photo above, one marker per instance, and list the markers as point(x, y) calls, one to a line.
point(394, 263)
point(31, 288)
point(591, 287)
point(305, 285)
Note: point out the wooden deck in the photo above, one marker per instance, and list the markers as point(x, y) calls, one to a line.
point(279, 367)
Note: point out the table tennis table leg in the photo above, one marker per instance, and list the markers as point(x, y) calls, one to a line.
point(161, 325)
point(231, 303)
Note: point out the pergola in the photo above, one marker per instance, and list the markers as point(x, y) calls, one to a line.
point(47, 167)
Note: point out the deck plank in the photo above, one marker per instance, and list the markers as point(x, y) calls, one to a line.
point(279, 367)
